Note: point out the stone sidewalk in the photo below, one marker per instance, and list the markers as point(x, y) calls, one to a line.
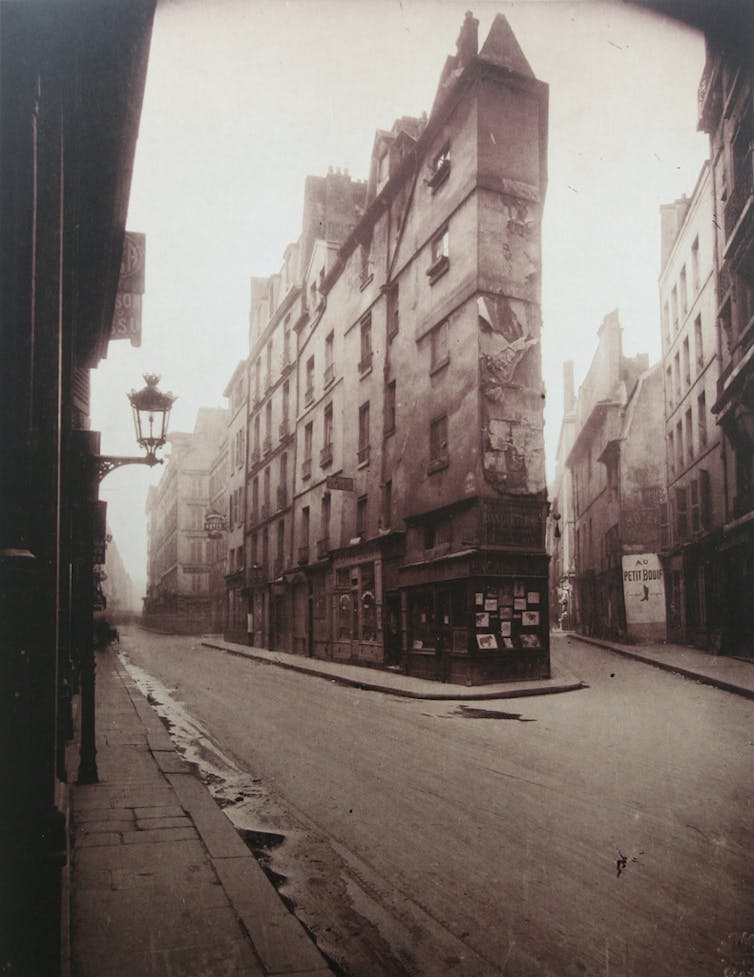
point(161, 883)
point(395, 682)
point(734, 675)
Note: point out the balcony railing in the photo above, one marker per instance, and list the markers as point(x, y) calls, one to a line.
point(303, 554)
point(325, 456)
point(323, 547)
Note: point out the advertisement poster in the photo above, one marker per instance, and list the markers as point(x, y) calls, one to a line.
point(643, 589)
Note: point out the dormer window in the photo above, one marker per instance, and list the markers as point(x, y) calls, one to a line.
point(440, 168)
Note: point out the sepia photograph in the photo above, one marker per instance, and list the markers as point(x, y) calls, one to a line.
point(367, 365)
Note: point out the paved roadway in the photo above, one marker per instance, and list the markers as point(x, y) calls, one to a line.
point(487, 838)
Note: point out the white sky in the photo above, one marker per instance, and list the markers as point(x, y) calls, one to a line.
point(245, 98)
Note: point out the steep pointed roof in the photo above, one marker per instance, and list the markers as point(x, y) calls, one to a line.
point(502, 48)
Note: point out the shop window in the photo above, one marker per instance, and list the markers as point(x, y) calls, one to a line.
point(368, 602)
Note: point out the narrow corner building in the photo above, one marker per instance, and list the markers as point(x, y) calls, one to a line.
point(397, 498)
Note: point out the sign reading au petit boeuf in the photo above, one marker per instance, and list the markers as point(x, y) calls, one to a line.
point(127, 315)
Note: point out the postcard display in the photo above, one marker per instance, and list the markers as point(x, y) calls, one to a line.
point(509, 616)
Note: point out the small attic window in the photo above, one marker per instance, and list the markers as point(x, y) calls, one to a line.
point(440, 168)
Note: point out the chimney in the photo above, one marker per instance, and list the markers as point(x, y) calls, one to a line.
point(467, 44)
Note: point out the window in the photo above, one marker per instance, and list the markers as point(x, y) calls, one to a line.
point(286, 342)
point(677, 373)
point(695, 281)
point(438, 341)
point(679, 446)
point(689, 437)
point(303, 550)
point(701, 419)
point(265, 549)
point(439, 255)
point(283, 485)
point(325, 457)
point(254, 498)
point(698, 342)
point(438, 442)
point(309, 392)
point(258, 379)
point(365, 262)
point(390, 408)
point(387, 504)
point(329, 365)
point(666, 324)
point(671, 451)
point(674, 305)
point(364, 433)
point(361, 516)
point(365, 363)
point(684, 292)
point(267, 491)
point(306, 466)
point(681, 512)
point(393, 316)
point(280, 550)
point(669, 388)
point(325, 517)
point(286, 400)
point(440, 168)
point(257, 440)
point(686, 362)
point(268, 427)
point(269, 365)
point(696, 522)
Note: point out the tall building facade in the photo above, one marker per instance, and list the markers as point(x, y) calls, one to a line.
point(691, 369)
point(618, 491)
point(726, 113)
point(396, 514)
point(71, 88)
point(178, 585)
point(561, 539)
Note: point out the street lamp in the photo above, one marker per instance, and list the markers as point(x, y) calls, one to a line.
point(151, 410)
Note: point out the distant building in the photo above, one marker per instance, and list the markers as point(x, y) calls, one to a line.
point(178, 586)
point(561, 543)
point(691, 369)
point(217, 540)
point(236, 391)
point(618, 486)
point(397, 498)
point(116, 586)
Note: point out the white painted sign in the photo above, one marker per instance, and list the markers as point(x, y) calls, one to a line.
point(643, 589)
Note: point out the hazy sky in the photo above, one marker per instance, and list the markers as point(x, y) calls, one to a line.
point(245, 98)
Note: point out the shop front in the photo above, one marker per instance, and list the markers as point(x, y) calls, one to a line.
point(477, 617)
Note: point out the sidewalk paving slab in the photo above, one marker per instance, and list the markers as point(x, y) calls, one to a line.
point(161, 883)
point(724, 672)
point(396, 683)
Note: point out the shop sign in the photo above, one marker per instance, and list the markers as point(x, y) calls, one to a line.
point(339, 483)
point(126, 322)
point(515, 522)
point(643, 589)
